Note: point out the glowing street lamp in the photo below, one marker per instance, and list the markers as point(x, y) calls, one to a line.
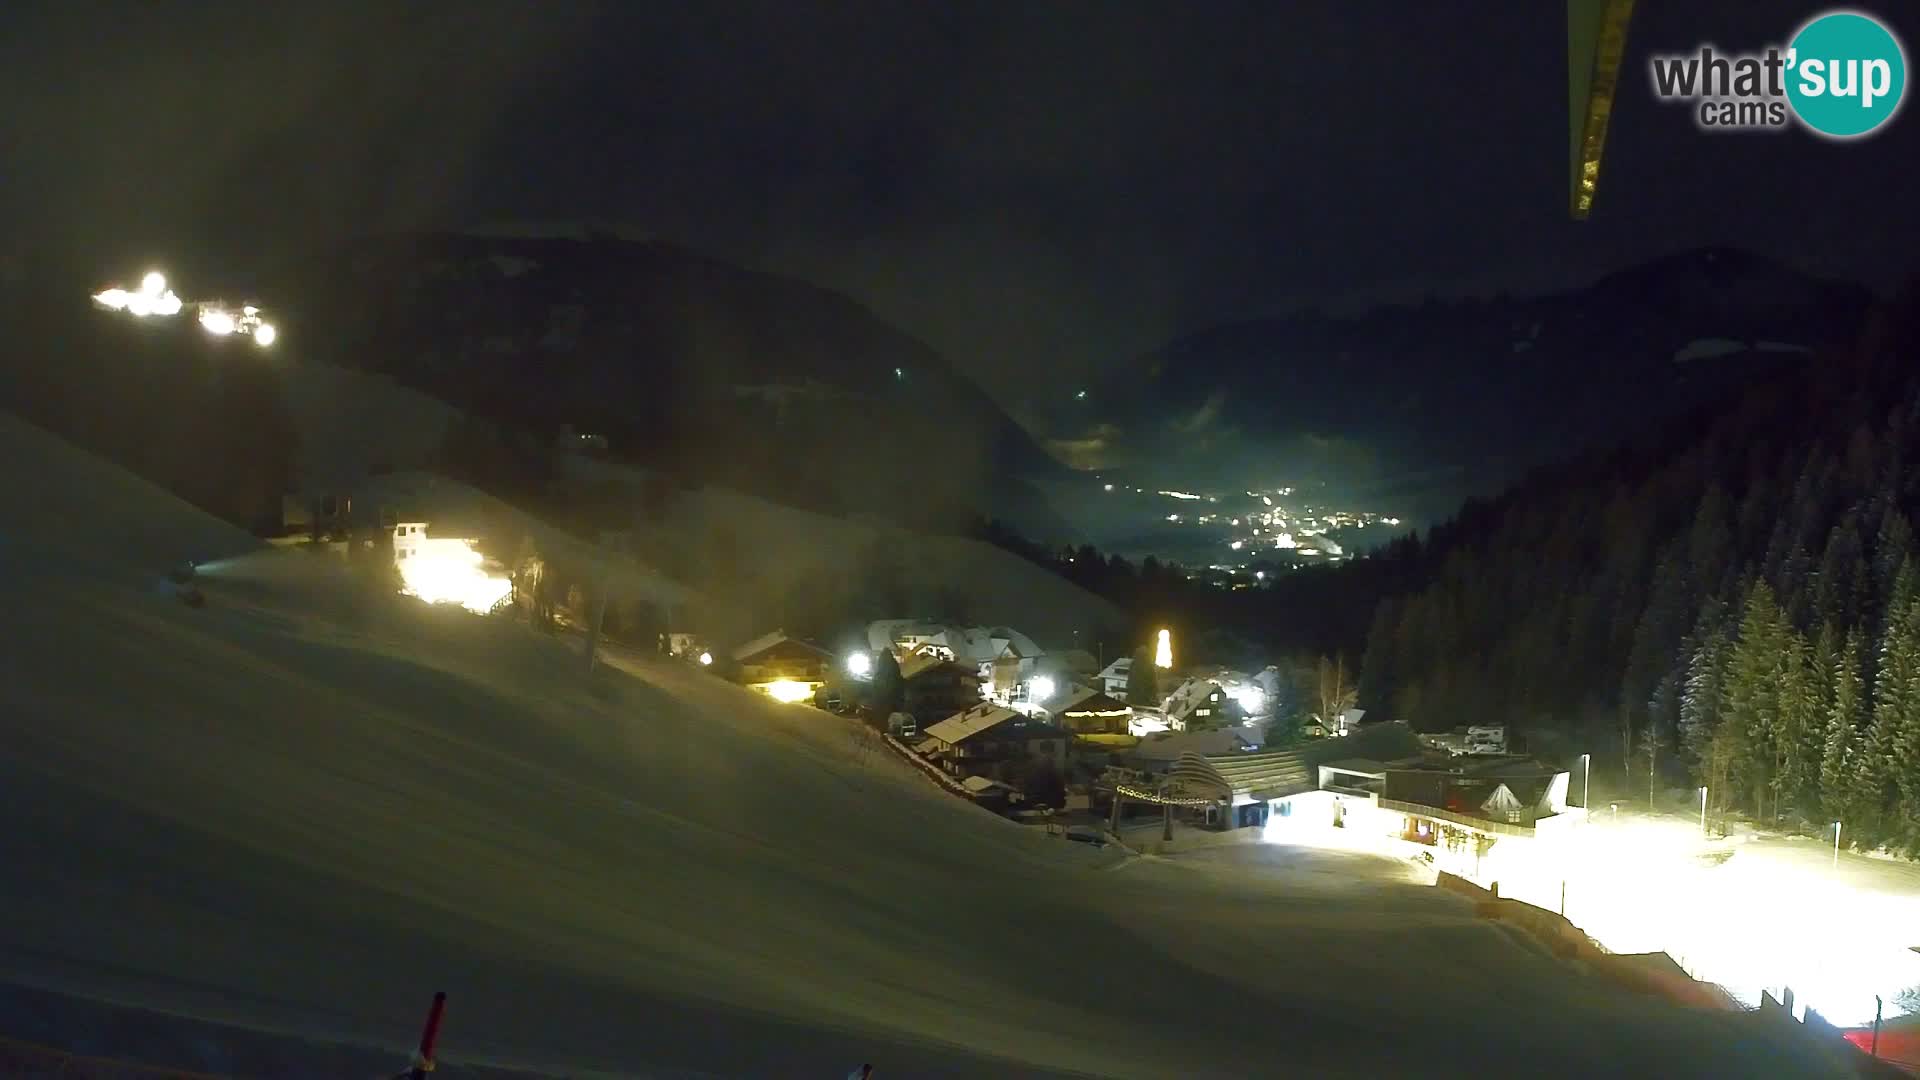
point(1040, 689)
point(1252, 700)
point(1163, 650)
point(218, 323)
point(153, 298)
point(706, 659)
point(859, 665)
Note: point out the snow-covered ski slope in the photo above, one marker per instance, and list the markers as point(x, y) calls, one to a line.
point(351, 421)
point(305, 807)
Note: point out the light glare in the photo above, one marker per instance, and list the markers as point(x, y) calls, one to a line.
point(448, 571)
point(788, 691)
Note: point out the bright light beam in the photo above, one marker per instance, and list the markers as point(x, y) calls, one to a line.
point(443, 571)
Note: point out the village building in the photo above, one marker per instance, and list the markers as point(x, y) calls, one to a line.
point(992, 738)
point(781, 667)
point(1114, 677)
point(1086, 711)
point(933, 689)
point(1200, 703)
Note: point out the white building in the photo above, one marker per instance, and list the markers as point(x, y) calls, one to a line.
point(1200, 703)
point(1006, 658)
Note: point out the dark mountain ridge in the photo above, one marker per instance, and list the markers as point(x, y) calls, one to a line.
point(1732, 600)
point(716, 373)
point(1417, 407)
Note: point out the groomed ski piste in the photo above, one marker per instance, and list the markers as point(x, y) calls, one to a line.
point(305, 806)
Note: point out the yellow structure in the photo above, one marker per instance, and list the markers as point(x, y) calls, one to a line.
point(1596, 41)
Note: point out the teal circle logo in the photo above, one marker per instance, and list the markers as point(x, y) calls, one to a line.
point(1847, 74)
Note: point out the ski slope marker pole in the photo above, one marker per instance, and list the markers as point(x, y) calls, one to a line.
point(423, 1060)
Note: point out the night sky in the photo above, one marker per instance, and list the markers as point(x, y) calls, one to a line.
point(1037, 189)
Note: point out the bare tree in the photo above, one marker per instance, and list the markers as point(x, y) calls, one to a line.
point(1337, 691)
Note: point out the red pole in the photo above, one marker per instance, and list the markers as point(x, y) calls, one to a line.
point(423, 1061)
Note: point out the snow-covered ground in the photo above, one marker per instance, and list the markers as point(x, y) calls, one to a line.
point(304, 807)
point(1757, 912)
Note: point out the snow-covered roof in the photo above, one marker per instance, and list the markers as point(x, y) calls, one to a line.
point(767, 641)
point(1514, 767)
point(969, 644)
point(1018, 643)
point(965, 725)
point(921, 663)
point(980, 784)
point(1169, 747)
point(1367, 766)
point(885, 633)
point(1119, 669)
point(1189, 696)
point(1086, 699)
